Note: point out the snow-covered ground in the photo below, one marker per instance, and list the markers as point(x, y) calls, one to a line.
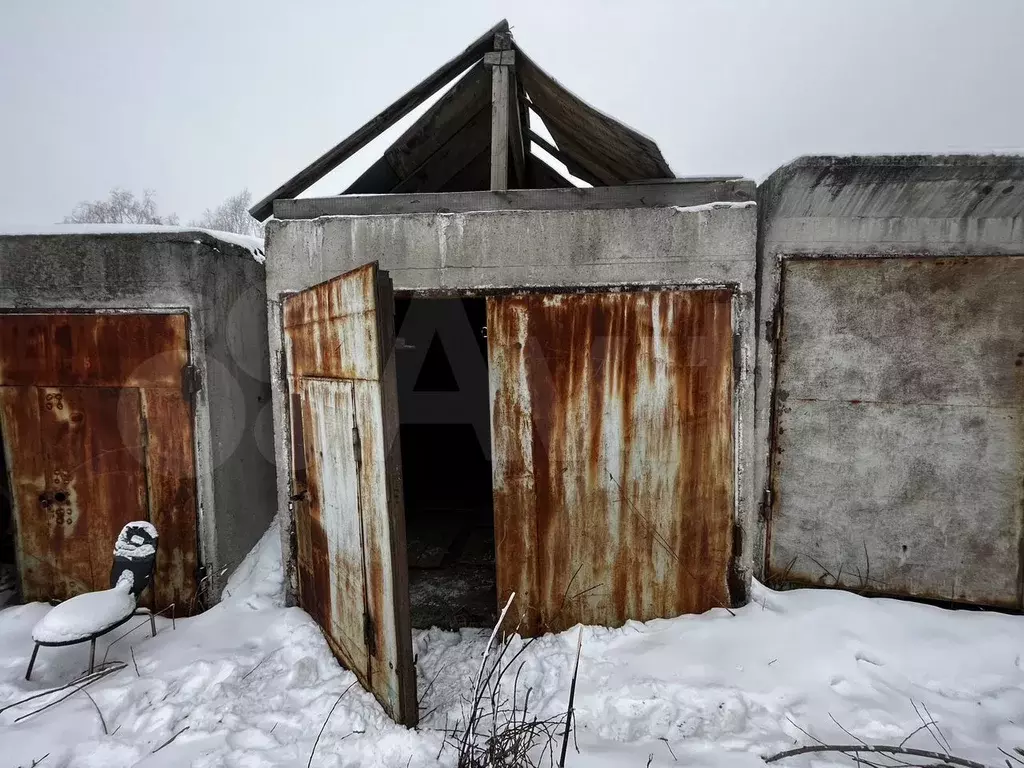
point(253, 682)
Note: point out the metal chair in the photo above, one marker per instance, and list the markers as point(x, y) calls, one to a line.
point(88, 616)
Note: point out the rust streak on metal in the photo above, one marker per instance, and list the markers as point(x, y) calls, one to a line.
point(97, 436)
point(172, 502)
point(624, 495)
point(346, 483)
point(93, 350)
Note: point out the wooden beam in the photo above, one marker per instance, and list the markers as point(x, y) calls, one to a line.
point(435, 172)
point(574, 168)
point(443, 120)
point(375, 180)
point(392, 114)
point(515, 132)
point(680, 193)
point(501, 63)
point(543, 176)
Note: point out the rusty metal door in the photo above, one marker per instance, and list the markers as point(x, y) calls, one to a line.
point(898, 462)
point(612, 431)
point(97, 432)
point(346, 478)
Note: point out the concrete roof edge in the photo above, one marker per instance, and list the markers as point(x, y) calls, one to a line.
point(838, 171)
point(184, 236)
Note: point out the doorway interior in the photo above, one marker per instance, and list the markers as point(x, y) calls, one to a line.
point(444, 415)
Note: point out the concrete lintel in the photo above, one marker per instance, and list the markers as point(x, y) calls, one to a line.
point(680, 192)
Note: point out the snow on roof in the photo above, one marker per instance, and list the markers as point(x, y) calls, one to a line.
point(718, 204)
point(251, 244)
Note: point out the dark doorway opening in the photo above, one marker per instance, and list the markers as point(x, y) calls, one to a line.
point(8, 545)
point(444, 412)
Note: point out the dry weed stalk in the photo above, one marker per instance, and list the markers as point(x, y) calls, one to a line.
point(888, 755)
point(499, 731)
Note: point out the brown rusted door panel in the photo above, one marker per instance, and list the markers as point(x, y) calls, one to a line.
point(613, 470)
point(346, 480)
point(171, 475)
point(89, 452)
point(92, 483)
point(93, 350)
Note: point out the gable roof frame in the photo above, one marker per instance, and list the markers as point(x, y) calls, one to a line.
point(434, 153)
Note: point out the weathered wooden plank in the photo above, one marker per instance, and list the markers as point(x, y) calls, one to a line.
point(573, 167)
point(516, 138)
point(543, 176)
point(477, 173)
point(500, 107)
point(452, 157)
point(378, 179)
point(381, 122)
point(441, 122)
point(609, 149)
point(679, 193)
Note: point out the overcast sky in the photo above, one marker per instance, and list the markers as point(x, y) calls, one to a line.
point(198, 99)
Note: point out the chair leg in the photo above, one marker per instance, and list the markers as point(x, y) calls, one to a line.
point(32, 662)
point(152, 624)
point(92, 654)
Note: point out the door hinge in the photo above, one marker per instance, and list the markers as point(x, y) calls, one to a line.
point(766, 504)
point(191, 383)
point(737, 357)
point(284, 365)
point(357, 446)
point(369, 635)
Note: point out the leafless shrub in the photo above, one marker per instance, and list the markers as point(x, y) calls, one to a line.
point(498, 731)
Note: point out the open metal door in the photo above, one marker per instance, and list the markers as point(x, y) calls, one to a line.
point(346, 476)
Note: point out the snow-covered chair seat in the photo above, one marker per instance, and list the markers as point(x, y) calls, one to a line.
point(90, 615)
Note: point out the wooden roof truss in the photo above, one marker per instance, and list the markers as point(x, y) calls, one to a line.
point(477, 136)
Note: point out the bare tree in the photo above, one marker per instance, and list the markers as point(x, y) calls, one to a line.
point(232, 216)
point(122, 207)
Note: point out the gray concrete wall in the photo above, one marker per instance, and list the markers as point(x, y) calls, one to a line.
point(494, 250)
point(873, 208)
point(223, 289)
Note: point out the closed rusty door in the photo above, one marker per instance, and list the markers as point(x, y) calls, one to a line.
point(346, 480)
point(613, 454)
point(898, 461)
point(97, 432)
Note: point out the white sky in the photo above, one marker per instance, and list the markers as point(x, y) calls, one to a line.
point(198, 99)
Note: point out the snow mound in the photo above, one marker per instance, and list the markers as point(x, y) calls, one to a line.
point(254, 687)
point(85, 615)
point(258, 581)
